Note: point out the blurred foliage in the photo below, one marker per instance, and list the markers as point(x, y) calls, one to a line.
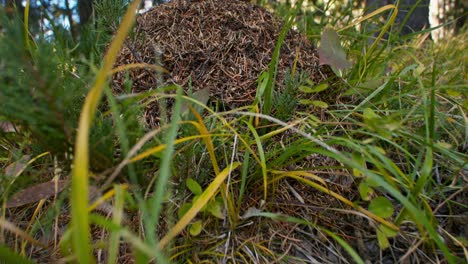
point(40, 88)
point(45, 77)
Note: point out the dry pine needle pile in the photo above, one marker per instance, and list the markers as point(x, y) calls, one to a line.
point(215, 44)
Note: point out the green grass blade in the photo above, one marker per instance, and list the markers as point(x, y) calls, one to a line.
point(345, 245)
point(9, 256)
point(122, 135)
point(244, 173)
point(79, 194)
point(153, 211)
point(261, 154)
point(117, 217)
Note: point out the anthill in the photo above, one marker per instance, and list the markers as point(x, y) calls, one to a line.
point(215, 44)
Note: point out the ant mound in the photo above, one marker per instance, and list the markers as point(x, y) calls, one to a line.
point(221, 46)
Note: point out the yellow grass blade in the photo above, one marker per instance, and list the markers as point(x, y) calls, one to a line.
point(207, 139)
point(79, 195)
point(209, 145)
point(31, 222)
point(343, 200)
point(300, 173)
point(106, 196)
point(136, 66)
point(280, 130)
point(384, 29)
point(12, 228)
point(20, 170)
point(372, 14)
point(198, 205)
point(161, 147)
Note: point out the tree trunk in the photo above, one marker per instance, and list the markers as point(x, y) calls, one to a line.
point(85, 10)
point(410, 18)
point(443, 11)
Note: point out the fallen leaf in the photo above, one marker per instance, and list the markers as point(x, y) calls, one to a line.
point(36, 193)
point(7, 127)
point(331, 52)
point(17, 167)
point(201, 96)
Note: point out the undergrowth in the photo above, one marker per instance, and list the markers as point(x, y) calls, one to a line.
point(374, 170)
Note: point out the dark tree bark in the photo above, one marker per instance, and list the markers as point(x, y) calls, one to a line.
point(85, 10)
point(413, 15)
point(426, 14)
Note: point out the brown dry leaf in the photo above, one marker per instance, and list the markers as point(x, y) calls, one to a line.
point(7, 127)
point(16, 167)
point(331, 52)
point(201, 96)
point(36, 193)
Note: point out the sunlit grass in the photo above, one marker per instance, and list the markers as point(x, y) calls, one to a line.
point(390, 151)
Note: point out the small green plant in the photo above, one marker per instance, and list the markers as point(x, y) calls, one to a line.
point(39, 89)
point(285, 101)
point(214, 207)
point(312, 89)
